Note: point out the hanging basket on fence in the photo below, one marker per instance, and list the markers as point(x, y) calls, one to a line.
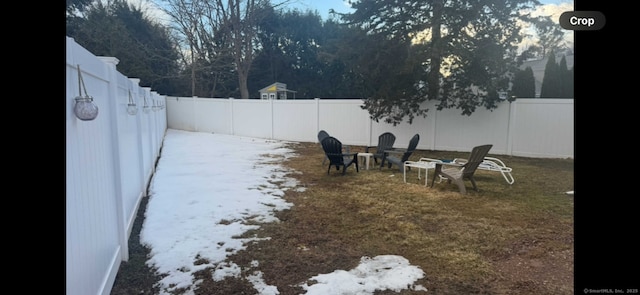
point(85, 109)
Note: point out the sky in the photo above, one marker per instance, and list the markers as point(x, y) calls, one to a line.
point(323, 6)
point(554, 8)
point(209, 188)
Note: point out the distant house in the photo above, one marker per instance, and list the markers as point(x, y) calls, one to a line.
point(538, 66)
point(277, 90)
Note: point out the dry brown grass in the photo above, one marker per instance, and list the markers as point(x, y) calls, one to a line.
point(503, 239)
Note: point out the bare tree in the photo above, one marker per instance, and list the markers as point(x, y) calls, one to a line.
point(219, 34)
point(549, 33)
point(197, 22)
point(240, 21)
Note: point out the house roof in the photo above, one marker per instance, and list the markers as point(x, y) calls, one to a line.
point(276, 87)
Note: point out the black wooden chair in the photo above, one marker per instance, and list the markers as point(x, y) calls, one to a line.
point(385, 142)
point(324, 134)
point(333, 150)
point(399, 156)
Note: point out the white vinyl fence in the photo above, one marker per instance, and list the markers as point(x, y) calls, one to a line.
point(538, 128)
point(109, 162)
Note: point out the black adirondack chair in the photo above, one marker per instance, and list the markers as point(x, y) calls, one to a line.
point(324, 134)
point(399, 156)
point(333, 150)
point(385, 142)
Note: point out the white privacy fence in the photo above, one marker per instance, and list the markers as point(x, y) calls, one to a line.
point(109, 162)
point(539, 128)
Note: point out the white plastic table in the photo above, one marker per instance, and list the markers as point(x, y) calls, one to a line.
point(426, 165)
point(367, 158)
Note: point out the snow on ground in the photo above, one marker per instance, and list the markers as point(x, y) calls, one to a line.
point(209, 189)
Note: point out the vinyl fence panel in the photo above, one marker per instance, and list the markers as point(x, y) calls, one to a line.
point(525, 127)
point(213, 115)
point(543, 128)
point(252, 118)
point(295, 120)
point(109, 162)
point(456, 132)
point(92, 233)
point(345, 120)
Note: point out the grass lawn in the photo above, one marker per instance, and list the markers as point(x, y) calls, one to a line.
point(502, 239)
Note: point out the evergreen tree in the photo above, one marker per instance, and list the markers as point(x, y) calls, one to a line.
point(290, 43)
point(524, 84)
point(144, 48)
point(551, 81)
point(566, 79)
point(458, 53)
point(569, 84)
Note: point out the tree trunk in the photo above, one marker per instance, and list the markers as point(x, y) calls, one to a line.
point(244, 90)
point(433, 78)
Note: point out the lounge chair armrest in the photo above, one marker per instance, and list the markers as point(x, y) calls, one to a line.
point(429, 160)
point(460, 161)
point(395, 151)
point(454, 164)
point(493, 164)
point(496, 161)
point(344, 155)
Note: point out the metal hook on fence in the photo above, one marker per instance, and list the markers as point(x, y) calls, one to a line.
point(132, 109)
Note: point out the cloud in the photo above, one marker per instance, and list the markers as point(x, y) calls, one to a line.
point(152, 10)
point(554, 11)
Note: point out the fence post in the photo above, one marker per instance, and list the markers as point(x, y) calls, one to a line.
point(272, 116)
point(510, 119)
point(231, 115)
point(370, 131)
point(317, 100)
point(110, 63)
point(195, 113)
point(143, 118)
point(138, 134)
